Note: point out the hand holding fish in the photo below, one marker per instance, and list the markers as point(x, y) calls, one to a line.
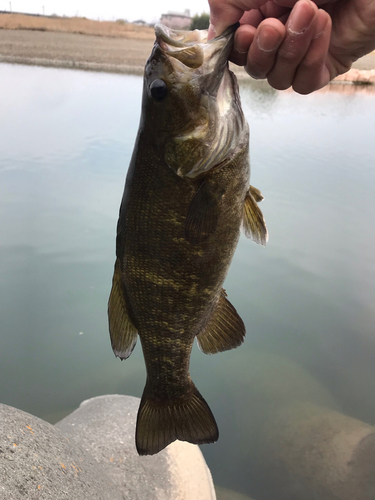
point(296, 43)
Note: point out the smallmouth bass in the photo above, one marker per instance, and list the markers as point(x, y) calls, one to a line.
point(186, 196)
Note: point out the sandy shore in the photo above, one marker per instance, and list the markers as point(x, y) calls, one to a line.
point(110, 53)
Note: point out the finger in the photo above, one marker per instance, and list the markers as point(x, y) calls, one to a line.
point(224, 13)
point(312, 73)
point(299, 32)
point(253, 17)
point(291, 3)
point(243, 38)
point(263, 51)
point(271, 9)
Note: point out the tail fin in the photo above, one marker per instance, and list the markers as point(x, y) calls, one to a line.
point(187, 418)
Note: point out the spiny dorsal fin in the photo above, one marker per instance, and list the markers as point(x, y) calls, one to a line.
point(256, 194)
point(253, 222)
point(160, 422)
point(122, 331)
point(203, 213)
point(225, 329)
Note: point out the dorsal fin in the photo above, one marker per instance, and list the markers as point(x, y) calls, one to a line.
point(225, 329)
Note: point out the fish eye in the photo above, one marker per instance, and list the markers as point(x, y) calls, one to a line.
point(159, 89)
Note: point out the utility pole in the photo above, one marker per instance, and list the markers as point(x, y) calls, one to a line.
point(10, 6)
point(43, 10)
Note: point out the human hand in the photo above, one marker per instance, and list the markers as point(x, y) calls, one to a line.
point(295, 43)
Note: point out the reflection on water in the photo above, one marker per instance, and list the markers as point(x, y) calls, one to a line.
point(295, 403)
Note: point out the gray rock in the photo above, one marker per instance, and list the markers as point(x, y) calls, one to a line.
point(300, 445)
point(317, 453)
point(105, 426)
point(225, 494)
point(38, 462)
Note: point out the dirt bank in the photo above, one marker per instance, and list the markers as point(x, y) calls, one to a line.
point(123, 52)
point(79, 25)
point(71, 50)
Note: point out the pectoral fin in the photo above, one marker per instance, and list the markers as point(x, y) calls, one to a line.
point(203, 213)
point(256, 194)
point(225, 329)
point(253, 222)
point(122, 331)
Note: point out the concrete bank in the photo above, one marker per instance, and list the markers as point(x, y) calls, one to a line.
point(91, 454)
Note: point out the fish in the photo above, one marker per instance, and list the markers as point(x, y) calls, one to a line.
point(187, 196)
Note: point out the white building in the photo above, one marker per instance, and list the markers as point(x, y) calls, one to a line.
point(176, 20)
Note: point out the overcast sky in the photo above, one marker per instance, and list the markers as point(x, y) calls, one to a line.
point(131, 10)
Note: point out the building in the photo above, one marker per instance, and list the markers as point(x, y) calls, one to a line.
point(176, 20)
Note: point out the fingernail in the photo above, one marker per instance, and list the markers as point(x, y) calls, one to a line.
point(301, 17)
point(241, 45)
point(268, 38)
point(320, 27)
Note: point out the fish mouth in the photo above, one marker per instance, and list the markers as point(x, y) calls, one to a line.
point(204, 97)
point(192, 49)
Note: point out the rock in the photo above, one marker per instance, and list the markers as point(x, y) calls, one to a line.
point(316, 453)
point(38, 462)
point(105, 426)
point(224, 494)
point(299, 443)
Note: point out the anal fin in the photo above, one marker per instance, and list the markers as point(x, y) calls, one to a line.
point(225, 329)
point(253, 222)
point(122, 331)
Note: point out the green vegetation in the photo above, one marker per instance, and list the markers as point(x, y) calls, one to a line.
point(200, 22)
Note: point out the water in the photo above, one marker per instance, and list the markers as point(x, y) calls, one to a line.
point(307, 299)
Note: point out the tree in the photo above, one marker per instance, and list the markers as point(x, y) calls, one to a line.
point(200, 22)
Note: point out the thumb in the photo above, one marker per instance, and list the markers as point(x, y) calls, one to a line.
point(222, 15)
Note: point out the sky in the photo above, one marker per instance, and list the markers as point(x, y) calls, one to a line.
point(130, 10)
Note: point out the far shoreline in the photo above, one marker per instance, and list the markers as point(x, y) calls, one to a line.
point(115, 54)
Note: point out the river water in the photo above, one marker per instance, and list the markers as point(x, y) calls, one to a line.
point(307, 299)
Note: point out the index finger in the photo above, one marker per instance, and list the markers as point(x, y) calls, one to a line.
point(224, 13)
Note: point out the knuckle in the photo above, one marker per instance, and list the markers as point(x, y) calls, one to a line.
point(256, 73)
point(279, 83)
point(258, 66)
point(302, 88)
point(289, 53)
point(310, 62)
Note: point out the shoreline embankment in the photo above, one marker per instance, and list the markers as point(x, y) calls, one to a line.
point(114, 47)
